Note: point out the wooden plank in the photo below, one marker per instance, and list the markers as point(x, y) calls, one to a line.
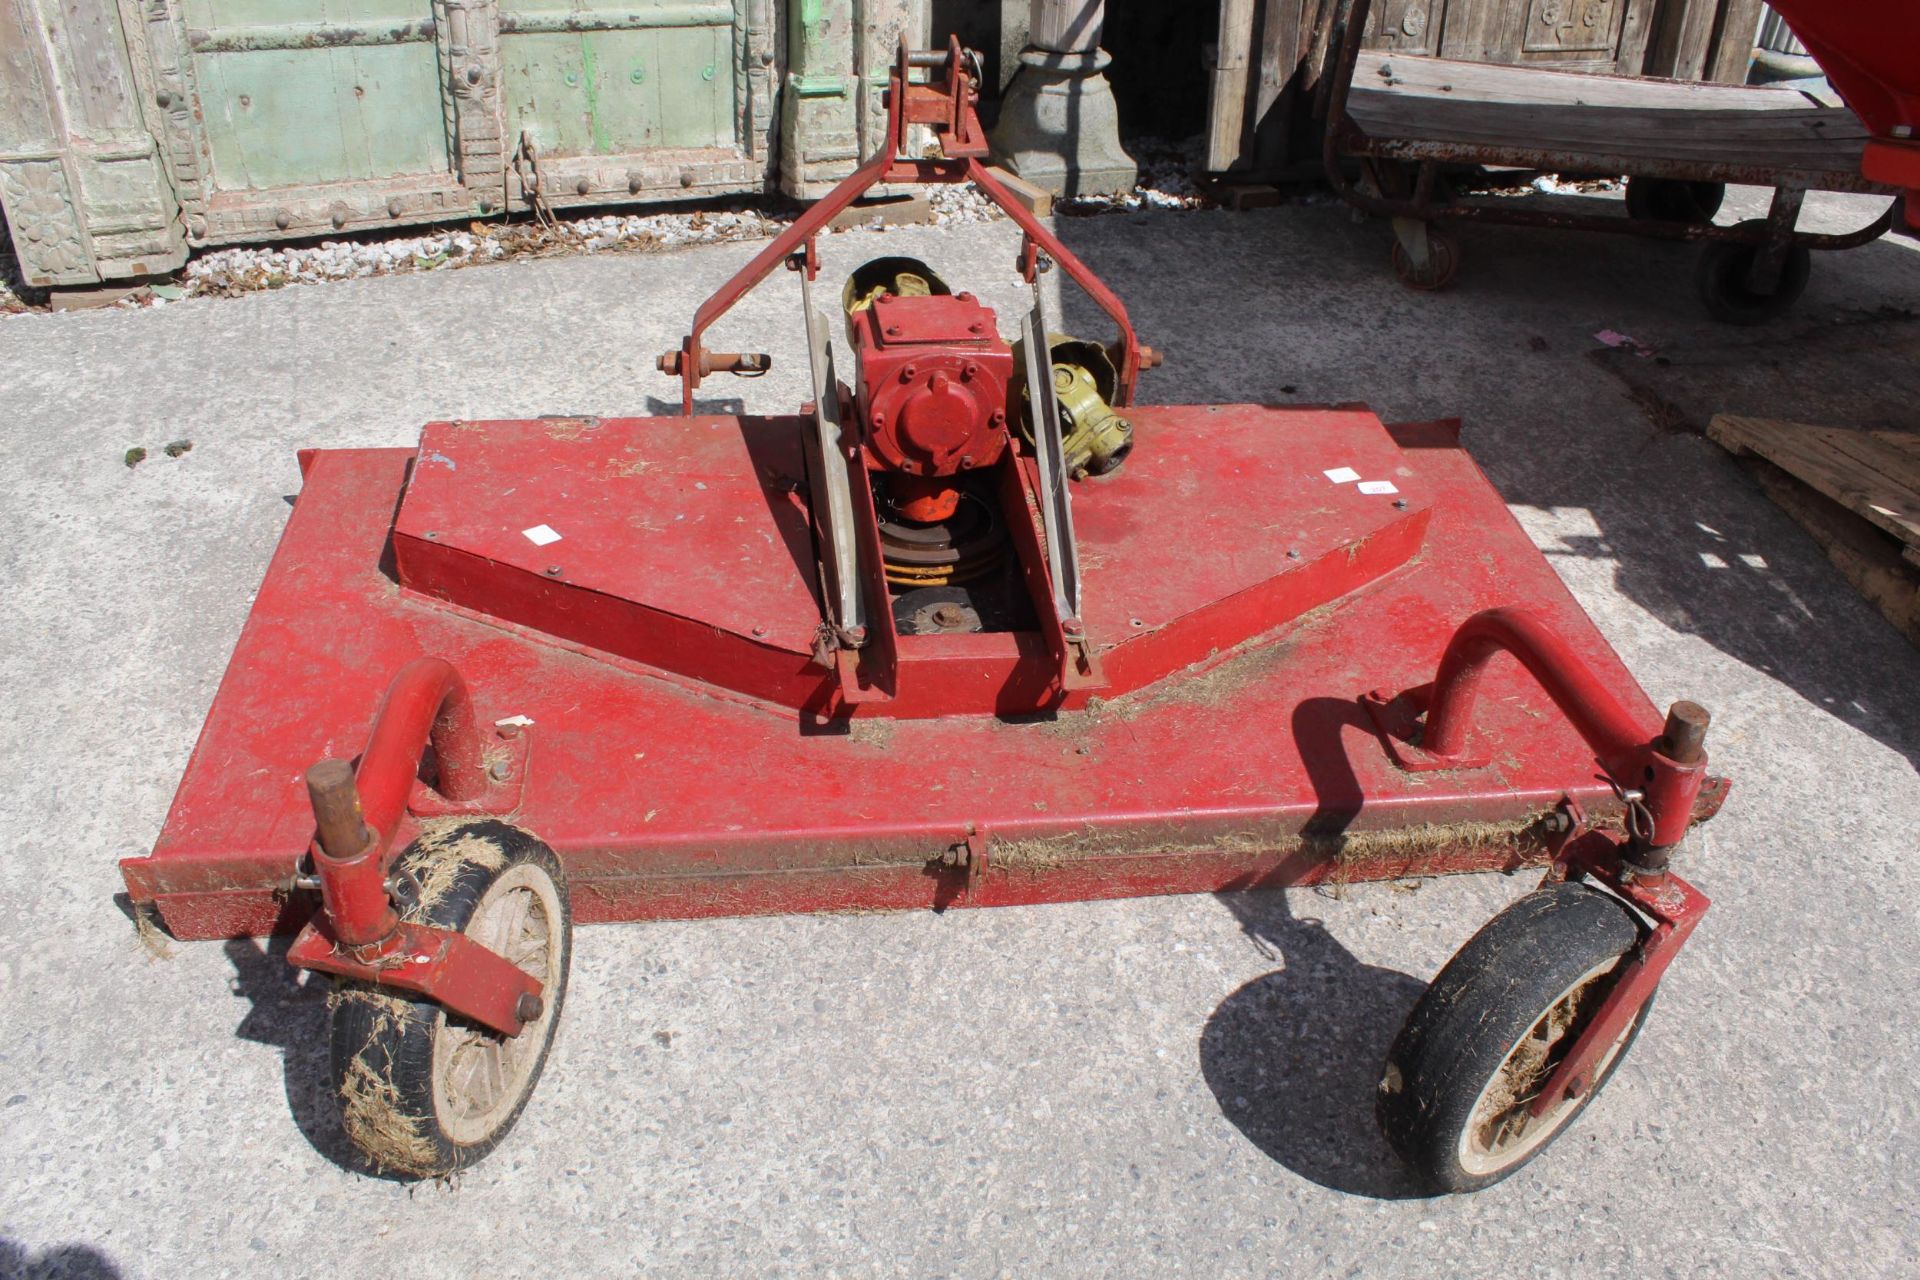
point(1680, 50)
point(1874, 474)
point(1038, 200)
point(1862, 555)
point(1436, 77)
point(1733, 41)
point(1636, 31)
point(1227, 104)
point(1416, 108)
point(1481, 30)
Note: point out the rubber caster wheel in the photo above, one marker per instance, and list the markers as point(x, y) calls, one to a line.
point(1443, 263)
point(1674, 200)
point(1489, 1032)
point(424, 1094)
point(1722, 281)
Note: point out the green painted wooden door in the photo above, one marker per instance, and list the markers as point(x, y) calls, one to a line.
point(296, 94)
point(301, 116)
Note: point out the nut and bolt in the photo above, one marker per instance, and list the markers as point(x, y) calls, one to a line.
point(528, 1007)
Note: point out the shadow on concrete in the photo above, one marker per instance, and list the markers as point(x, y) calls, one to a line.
point(63, 1262)
point(1247, 306)
point(1705, 570)
point(290, 1013)
point(1293, 1058)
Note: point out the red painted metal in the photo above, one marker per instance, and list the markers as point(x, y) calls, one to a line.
point(643, 596)
point(357, 933)
point(449, 967)
point(948, 106)
point(1596, 713)
point(934, 374)
point(684, 545)
point(1870, 51)
point(427, 704)
point(1675, 908)
point(427, 700)
point(666, 795)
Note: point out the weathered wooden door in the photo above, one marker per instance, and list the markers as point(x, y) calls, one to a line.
point(288, 117)
point(1575, 35)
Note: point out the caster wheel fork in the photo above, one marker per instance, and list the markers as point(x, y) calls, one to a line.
point(423, 1093)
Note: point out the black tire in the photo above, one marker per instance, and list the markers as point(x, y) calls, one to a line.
point(1443, 262)
point(1674, 200)
point(1452, 1095)
point(395, 1056)
point(1722, 281)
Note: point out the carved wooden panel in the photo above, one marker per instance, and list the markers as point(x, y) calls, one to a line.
point(80, 177)
point(1569, 25)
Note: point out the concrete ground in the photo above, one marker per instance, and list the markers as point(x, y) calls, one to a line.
point(1176, 1086)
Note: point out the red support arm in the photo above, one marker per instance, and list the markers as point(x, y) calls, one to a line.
point(427, 703)
point(357, 934)
point(1608, 727)
point(947, 106)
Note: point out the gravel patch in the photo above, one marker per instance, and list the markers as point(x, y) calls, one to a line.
point(1166, 182)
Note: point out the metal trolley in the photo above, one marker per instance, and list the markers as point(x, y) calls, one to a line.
point(1679, 144)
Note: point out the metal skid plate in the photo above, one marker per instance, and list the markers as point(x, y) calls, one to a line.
point(1234, 752)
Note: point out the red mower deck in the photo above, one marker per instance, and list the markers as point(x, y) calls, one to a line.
point(669, 799)
point(971, 630)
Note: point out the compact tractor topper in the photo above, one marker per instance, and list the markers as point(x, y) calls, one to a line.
point(588, 669)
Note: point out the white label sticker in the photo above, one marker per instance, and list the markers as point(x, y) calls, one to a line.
point(1377, 486)
point(1342, 475)
point(540, 535)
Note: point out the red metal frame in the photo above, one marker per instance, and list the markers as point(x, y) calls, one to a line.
point(947, 105)
point(667, 796)
point(1675, 908)
point(357, 934)
point(1870, 50)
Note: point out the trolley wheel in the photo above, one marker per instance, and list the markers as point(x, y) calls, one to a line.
point(423, 1093)
point(1443, 262)
point(1674, 199)
point(1491, 1029)
point(1722, 280)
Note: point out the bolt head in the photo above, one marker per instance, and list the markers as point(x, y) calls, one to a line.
point(528, 1007)
point(499, 770)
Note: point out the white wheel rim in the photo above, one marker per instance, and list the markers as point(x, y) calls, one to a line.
point(479, 1077)
point(1500, 1133)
